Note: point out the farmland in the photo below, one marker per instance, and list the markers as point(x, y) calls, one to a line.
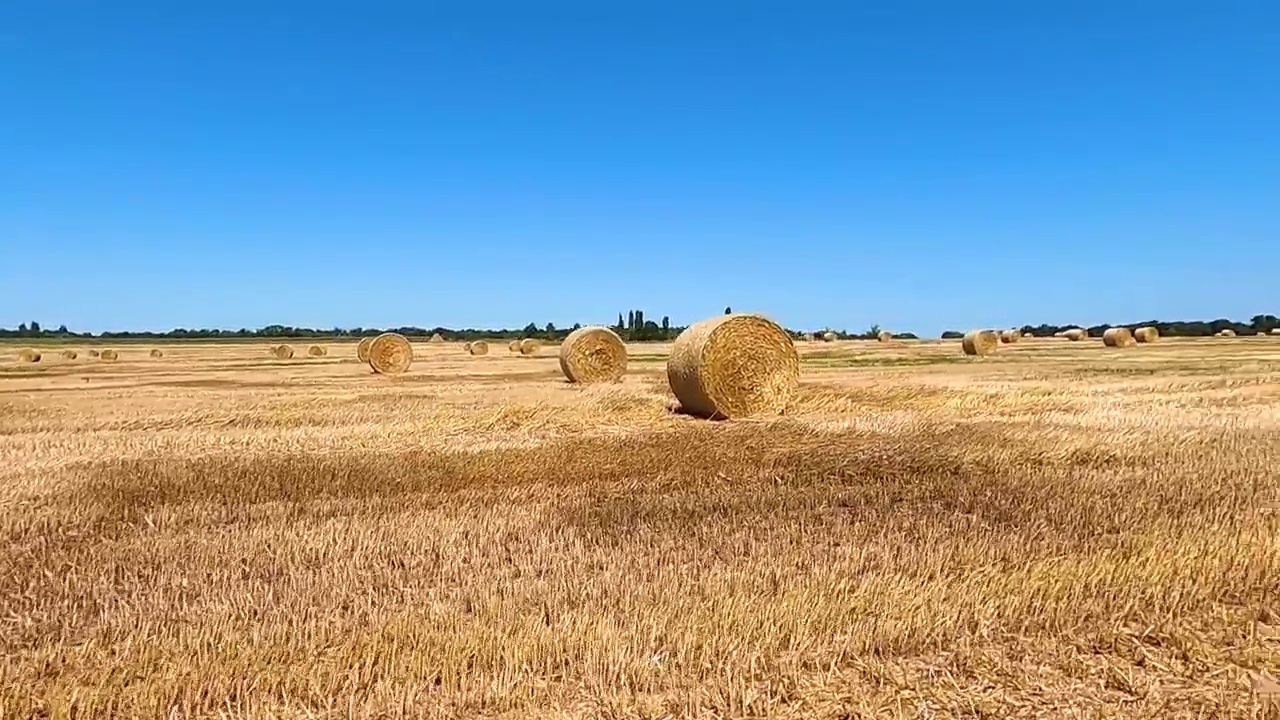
point(1059, 527)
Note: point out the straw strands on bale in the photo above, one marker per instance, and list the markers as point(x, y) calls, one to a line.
point(317, 351)
point(1009, 336)
point(529, 346)
point(362, 350)
point(28, 355)
point(732, 366)
point(884, 336)
point(282, 352)
point(592, 355)
point(1075, 334)
point(479, 347)
point(980, 342)
point(436, 338)
point(1146, 334)
point(108, 355)
point(1118, 337)
point(157, 353)
point(514, 346)
point(828, 336)
point(390, 354)
point(70, 355)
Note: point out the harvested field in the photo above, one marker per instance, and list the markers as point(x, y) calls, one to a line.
point(1055, 530)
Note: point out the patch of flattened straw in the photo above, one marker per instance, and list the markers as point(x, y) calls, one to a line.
point(362, 350)
point(1118, 337)
point(593, 354)
point(980, 342)
point(390, 354)
point(157, 353)
point(108, 355)
point(732, 366)
point(478, 347)
point(1146, 334)
point(28, 355)
point(529, 346)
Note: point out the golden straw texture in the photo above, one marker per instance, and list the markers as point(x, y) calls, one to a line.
point(1118, 337)
point(390, 354)
point(980, 342)
point(28, 355)
point(529, 346)
point(362, 350)
point(479, 347)
point(592, 355)
point(1146, 334)
point(731, 366)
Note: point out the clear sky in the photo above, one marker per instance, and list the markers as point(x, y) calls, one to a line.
point(920, 165)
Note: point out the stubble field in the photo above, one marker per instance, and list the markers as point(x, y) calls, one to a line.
point(1060, 530)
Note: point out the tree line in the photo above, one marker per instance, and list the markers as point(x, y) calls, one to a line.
point(632, 326)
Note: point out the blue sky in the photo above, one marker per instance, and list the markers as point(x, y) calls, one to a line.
point(920, 165)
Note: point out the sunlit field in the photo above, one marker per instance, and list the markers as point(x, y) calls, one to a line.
point(1059, 530)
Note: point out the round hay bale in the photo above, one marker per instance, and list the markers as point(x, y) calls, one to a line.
point(436, 338)
point(731, 366)
point(592, 355)
point(108, 355)
point(828, 336)
point(466, 347)
point(362, 350)
point(1118, 337)
point(316, 351)
point(1227, 332)
point(29, 355)
point(884, 336)
point(283, 352)
point(529, 346)
point(1075, 334)
point(1146, 334)
point(808, 337)
point(980, 342)
point(1275, 331)
point(93, 353)
point(514, 346)
point(1009, 336)
point(390, 354)
point(70, 355)
point(478, 347)
point(156, 353)
point(1027, 335)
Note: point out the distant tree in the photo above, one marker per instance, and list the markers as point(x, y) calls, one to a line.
point(639, 319)
point(952, 335)
point(666, 324)
point(62, 330)
point(873, 332)
point(620, 326)
point(631, 319)
point(35, 328)
point(728, 310)
point(22, 330)
point(530, 329)
point(551, 328)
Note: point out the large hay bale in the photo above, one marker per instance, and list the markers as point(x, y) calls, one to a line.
point(436, 338)
point(731, 366)
point(28, 355)
point(884, 336)
point(592, 355)
point(317, 351)
point(283, 352)
point(828, 336)
point(514, 346)
point(108, 355)
point(529, 346)
point(980, 342)
point(390, 354)
point(1118, 337)
point(1146, 334)
point(362, 350)
point(1227, 332)
point(478, 347)
point(1075, 334)
point(157, 353)
point(70, 355)
point(1009, 336)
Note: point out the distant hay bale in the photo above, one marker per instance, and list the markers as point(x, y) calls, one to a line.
point(828, 336)
point(93, 353)
point(156, 353)
point(69, 355)
point(108, 355)
point(28, 355)
point(1275, 331)
point(478, 347)
point(362, 350)
point(1227, 332)
point(980, 342)
point(1009, 336)
point(282, 352)
point(529, 346)
point(436, 338)
point(884, 336)
point(390, 354)
point(1075, 334)
point(1146, 334)
point(593, 355)
point(1118, 337)
point(317, 351)
point(1027, 335)
point(732, 366)
point(514, 346)
point(808, 337)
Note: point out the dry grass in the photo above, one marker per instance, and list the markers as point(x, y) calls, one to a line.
point(1057, 531)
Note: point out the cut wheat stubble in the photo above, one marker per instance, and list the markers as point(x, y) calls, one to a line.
point(734, 366)
point(390, 354)
point(593, 355)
